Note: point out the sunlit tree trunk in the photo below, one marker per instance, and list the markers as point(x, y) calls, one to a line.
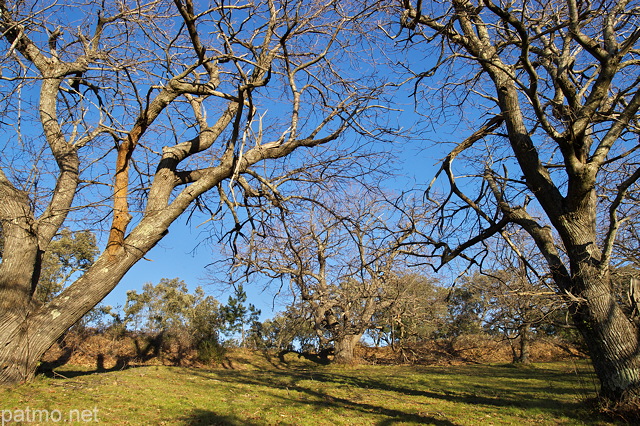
point(345, 348)
point(612, 340)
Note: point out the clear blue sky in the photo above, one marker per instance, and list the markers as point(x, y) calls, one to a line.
point(179, 255)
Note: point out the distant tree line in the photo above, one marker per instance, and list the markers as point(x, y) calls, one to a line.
point(168, 322)
point(167, 318)
point(406, 310)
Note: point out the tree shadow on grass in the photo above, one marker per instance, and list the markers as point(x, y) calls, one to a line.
point(316, 399)
point(48, 369)
point(411, 399)
point(205, 417)
point(447, 389)
point(295, 388)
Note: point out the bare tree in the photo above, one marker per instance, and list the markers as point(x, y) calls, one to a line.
point(558, 82)
point(338, 259)
point(133, 112)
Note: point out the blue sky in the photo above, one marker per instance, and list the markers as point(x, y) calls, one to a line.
point(179, 255)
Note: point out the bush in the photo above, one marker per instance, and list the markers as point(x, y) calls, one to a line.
point(210, 352)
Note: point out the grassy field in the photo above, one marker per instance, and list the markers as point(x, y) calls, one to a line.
point(257, 391)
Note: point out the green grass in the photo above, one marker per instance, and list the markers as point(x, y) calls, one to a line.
point(256, 392)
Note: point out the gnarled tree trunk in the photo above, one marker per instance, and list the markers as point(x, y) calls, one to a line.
point(525, 344)
point(522, 354)
point(345, 349)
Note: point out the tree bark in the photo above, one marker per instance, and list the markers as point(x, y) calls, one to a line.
point(612, 340)
point(345, 349)
point(524, 357)
point(16, 365)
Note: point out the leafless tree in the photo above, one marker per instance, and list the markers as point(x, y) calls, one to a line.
point(558, 153)
point(133, 112)
point(338, 258)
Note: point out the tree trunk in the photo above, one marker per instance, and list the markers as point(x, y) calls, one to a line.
point(612, 340)
point(524, 357)
point(345, 349)
point(514, 352)
point(27, 329)
point(16, 364)
point(611, 337)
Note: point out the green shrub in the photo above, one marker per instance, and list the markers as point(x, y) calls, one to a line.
point(211, 352)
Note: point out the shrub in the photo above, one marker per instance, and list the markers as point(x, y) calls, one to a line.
point(210, 352)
